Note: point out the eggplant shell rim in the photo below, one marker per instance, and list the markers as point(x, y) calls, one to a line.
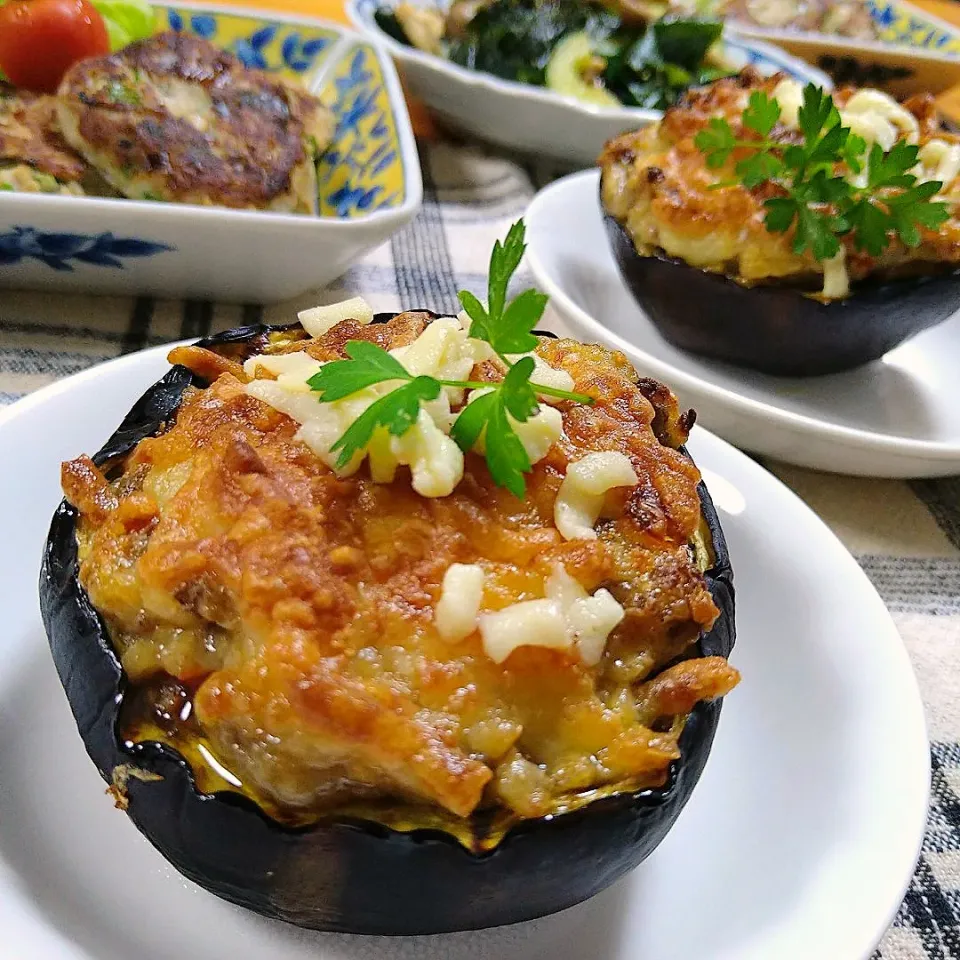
point(124, 439)
point(861, 289)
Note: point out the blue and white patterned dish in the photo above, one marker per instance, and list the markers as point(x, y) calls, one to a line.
point(369, 187)
point(916, 52)
point(534, 119)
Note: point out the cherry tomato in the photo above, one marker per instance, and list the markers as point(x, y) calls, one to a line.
point(41, 39)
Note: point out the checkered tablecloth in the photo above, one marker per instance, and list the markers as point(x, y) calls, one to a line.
point(905, 535)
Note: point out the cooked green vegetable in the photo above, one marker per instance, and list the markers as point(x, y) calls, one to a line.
point(514, 39)
point(581, 50)
point(566, 71)
point(652, 68)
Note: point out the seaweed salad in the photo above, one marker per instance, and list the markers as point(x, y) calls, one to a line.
point(608, 56)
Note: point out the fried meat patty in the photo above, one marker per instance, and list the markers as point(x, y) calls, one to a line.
point(656, 182)
point(175, 118)
point(33, 156)
point(286, 616)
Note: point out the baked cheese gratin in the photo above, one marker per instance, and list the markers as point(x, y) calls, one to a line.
point(657, 183)
point(397, 630)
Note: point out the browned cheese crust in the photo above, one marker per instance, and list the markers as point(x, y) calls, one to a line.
point(292, 611)
point(656, 182)
point(29, 137)
point(175, 118)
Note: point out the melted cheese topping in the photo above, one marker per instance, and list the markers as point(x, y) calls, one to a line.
point(580, 498)
point(318, 320)
point(443, 351)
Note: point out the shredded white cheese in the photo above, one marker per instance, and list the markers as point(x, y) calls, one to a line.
point(455, 614)
point(938, 160)
point(878, 118)
point(580, 498)
point(543, 374)
point(590, 619)
point(292, 370)
point(789, 94)
point(318, 320)
point(871, 114)
point(566, 618)
point(836, 280)
point(530, 623)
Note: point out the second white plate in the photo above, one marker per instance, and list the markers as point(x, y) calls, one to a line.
point(893, 418)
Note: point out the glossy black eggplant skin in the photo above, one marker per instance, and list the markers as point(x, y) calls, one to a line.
point(775, 330)
point(353, 876)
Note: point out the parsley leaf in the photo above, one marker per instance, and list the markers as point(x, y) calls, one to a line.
point(818, 197)
point(397, 411)
point(506, 456)
point(506, 327)
point(891, 169)
point(470, 424)
point(717, 142)
point(762, 113)
point(368, 364)
point(912, 209)
point(816, 113)
point(518, 393)
point(759, 168)
point(871, 226)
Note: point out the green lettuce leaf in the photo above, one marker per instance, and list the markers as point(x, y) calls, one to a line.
point(126, 20)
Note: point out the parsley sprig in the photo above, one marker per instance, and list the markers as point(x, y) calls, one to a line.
point(507, 327)
point(815, 197)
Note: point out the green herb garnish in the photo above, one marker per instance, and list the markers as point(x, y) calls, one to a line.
point(820, 203)
point(119, 92)
point(507, 327)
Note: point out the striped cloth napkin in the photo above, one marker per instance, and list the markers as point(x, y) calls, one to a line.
point(905, 535)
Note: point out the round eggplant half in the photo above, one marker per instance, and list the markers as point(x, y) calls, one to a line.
point(347, 874)
point(774, 329)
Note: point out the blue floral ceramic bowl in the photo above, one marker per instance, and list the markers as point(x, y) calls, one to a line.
point(369, 183)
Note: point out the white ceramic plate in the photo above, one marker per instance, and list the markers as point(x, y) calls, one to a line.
point(370, 187)
point(797, 844)
point(893, 418)
point(534, 119)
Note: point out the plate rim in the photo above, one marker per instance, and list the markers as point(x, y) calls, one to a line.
point(852, 436)
point(482, 80)
point(919, 794)
point(346, 37)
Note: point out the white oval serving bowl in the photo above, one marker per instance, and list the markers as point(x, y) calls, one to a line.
point(532, 119)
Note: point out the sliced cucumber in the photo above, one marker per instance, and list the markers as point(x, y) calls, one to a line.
point(565, 71)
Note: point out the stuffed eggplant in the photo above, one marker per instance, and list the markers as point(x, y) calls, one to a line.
point(377, 690)
point(785, 230)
